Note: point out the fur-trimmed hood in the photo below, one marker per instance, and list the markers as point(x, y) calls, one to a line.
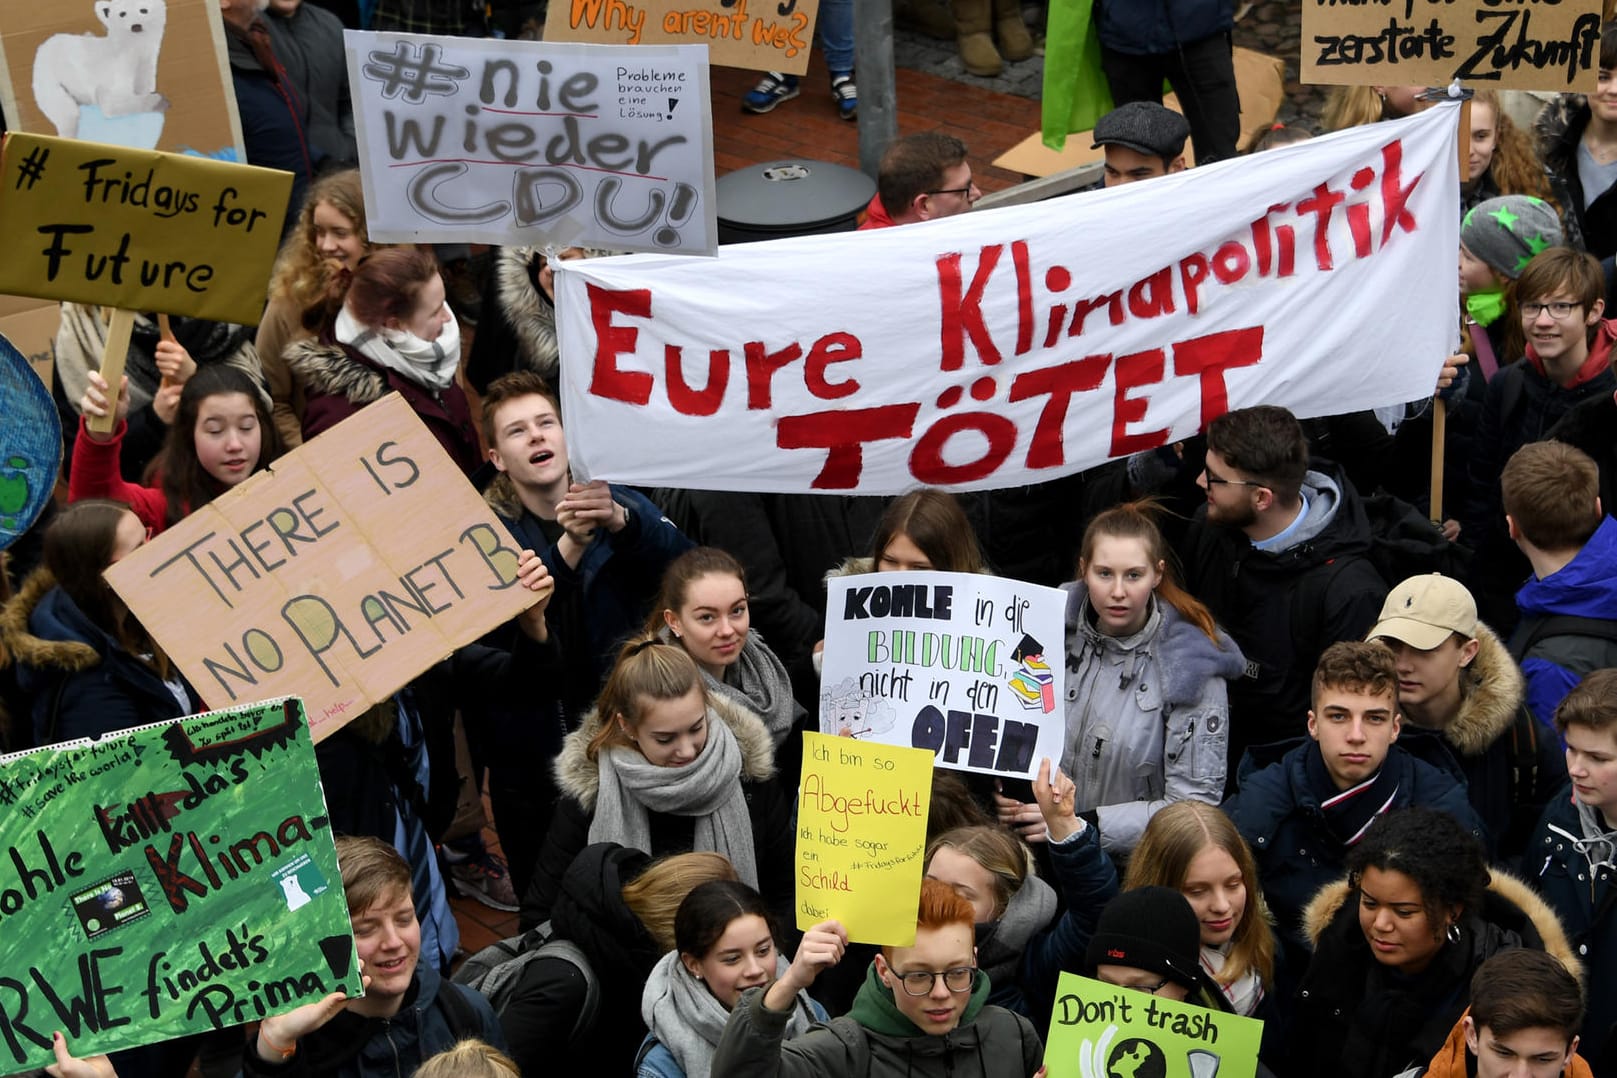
point(25, 647)
point(328, 367)
point(1493, 689)
point(579, 777)
point(501, 496)
point(528, 311)
point(1325, 905)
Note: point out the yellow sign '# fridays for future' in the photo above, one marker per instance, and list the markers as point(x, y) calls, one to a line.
point(138, 229)
point(861, 832)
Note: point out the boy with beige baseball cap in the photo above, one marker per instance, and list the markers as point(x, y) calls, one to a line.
point(1456, 679)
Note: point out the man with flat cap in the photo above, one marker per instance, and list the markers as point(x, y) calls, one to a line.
point(1142, 140)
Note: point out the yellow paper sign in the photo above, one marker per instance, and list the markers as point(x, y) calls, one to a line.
point(861, 832)
point(358, 561)
point(759, 35)
point(1519, 46)
point(138, 229)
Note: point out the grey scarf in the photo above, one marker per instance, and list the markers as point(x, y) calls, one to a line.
point(708, 788)
point(1001, 943)
point(757, 680)
point(687, 1020)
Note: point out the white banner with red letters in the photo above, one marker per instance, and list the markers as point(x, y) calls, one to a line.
point(1010, 346)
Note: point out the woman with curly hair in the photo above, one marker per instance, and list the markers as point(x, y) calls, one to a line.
point(306, 291)
point(1397, 942)
point(1501, 160)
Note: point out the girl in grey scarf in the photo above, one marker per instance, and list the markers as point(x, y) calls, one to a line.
point(724, 944)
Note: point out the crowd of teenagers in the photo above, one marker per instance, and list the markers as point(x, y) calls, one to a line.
point(1326, 763)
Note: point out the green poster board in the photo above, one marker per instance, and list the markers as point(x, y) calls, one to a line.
point(166, 880)
point(1101, 1031)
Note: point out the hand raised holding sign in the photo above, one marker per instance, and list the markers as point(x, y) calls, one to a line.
point(278, 1035)
point(174, 362)
point(66, 1066)
point(534, 576)
point(823, 947)
point(1025, 819)
point(1057, 800)
point(93, 405)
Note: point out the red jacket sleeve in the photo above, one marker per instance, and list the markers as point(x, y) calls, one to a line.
point(95, 475)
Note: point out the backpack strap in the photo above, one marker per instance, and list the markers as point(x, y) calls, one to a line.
point(1529, 633)
point(570, 952)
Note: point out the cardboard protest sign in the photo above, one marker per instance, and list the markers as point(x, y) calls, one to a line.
point(534, 142)
point(1014, 345)
point(861, 831)
point(775, 35)
point(30, 444)
point(146, 74)
point(1432, 42)
point(964, 665)
point(166, 880)
point(31, 325)
point(358, 561)
point(1099, 1030)
point(138, 229)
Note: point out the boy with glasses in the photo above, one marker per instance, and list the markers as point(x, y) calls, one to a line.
point(923, 1010)
point(1568, 361)
point(922, 176)
point(1280, 557)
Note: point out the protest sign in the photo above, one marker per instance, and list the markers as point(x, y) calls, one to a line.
point(861, 831)
point(1432, 42)
point(165, 880)
point(1015, 345)
point(146, 74)
point(534, 142)
point(31, 325)
point(138, 229)
point(773, 36)
point(1099, 1030)
point(964, 665)
point(359, 560)
point(30, 444)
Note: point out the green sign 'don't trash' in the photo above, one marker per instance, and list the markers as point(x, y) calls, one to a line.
point(166, 880)
point(1098, 1030)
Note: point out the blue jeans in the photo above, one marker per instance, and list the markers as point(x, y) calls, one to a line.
point(836, 34)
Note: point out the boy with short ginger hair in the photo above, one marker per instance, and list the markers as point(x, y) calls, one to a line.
point(1575, 840)
point(1315, 799)
point(922, 1010)
point(408, 1012)
point(1568, 609)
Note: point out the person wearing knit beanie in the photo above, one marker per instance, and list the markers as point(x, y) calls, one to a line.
point(1148, 939)
point(1497, 240)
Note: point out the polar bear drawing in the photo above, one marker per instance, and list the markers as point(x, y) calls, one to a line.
point(116, 73)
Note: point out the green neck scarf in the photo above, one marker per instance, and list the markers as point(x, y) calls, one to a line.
point(1485, 307)
point(875, 1009)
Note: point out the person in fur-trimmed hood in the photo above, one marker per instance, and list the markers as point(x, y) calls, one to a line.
point(1456, 680)
point(517, 328)
point(395, 333)
point(1577, 141)
point(1397, 943)
point(664, 766)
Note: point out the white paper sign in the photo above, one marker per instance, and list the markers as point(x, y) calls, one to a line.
point(1011, 346)
point(954, 663)
point(477, 140)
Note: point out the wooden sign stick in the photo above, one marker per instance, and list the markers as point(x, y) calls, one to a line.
point(113, 356)
point(165, 332)
point(1440, 411)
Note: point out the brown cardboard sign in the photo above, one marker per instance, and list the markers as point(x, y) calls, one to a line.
point(147, 74)
point(355, 563)
point(31, 326)
point(1519, 46)
point(758, 35)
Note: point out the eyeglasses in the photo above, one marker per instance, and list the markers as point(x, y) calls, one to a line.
point(1558, 310)
point(964, 192)
point(920, 982)
point(1220, 481)
point(1148, 989)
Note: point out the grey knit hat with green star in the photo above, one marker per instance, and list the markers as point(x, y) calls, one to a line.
point(1506, 232)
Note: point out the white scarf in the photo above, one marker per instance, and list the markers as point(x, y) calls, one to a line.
point(1244, 993)
point(688, 1020)
point(427, 363)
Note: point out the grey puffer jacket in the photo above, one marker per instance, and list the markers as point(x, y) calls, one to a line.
point(1147, 716)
